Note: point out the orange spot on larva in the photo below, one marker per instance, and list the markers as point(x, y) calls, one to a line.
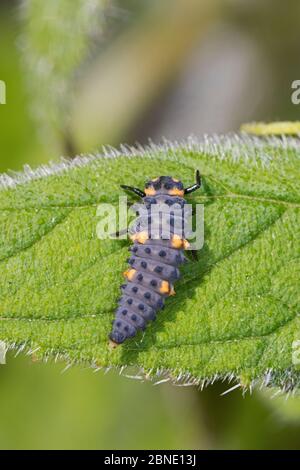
point(164, 287)
point(176, 192)
point(150, 191)
point(129, 274)
point(178, 242)
point(140, 237)
point(186, 244)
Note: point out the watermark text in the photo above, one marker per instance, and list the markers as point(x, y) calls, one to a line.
point(295, 97)
point(296, 352)
point(159, 221)
point(2, 92)
point(3, 351)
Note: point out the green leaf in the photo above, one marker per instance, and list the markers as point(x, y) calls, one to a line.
point(58, 40)
point(236, 312)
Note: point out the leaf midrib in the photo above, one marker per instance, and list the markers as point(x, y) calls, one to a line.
point(96, 202)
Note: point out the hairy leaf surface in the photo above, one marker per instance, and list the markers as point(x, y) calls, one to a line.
point(236, 312)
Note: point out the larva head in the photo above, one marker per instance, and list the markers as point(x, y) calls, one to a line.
point(164, 185)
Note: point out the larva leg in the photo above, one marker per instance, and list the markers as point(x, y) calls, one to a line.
point(136, 191)
point(194, 255)
point(119, 234)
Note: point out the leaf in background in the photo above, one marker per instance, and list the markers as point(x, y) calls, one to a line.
point(18, 139)
point(236, 312)
point(285, 411)
point(272, 128)
point(57, 39)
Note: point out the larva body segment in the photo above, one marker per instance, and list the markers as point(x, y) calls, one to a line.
point(154, 261)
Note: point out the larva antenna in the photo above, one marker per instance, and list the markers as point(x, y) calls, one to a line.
point(195, 186)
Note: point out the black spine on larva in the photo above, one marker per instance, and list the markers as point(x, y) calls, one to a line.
point(155, 264)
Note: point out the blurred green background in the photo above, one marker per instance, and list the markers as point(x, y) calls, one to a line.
point(126, 72)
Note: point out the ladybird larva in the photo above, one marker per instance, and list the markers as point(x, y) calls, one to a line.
point(154, 261)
